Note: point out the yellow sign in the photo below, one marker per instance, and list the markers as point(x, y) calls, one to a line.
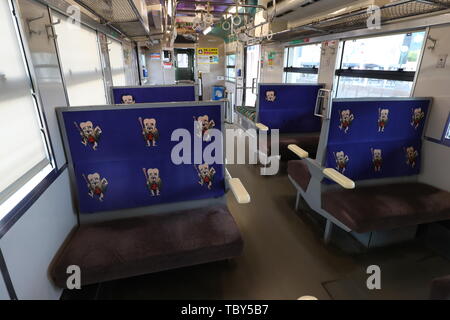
point(208, 51)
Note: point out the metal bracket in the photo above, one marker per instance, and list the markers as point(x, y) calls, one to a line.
point(50, 26)
point(30, 21)
point(433, 45)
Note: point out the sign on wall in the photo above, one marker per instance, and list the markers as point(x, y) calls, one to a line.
point(208, 55)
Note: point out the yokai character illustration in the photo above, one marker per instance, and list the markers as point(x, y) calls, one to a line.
point(417, 117)
point(341, 161)
point(271, 96)
point(96, 185)
point(149, 131)
point(411, 156)
point(128, 99)
point(383, 118)
point(203, 125)
point(377, 159)
point(154, 182)
point(346, 120)
point(206, 175)
point(89, 134)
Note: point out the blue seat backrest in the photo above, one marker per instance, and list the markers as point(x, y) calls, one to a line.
point(150, 94)
point(289, 107)
point(376, 138)
point(122, 152)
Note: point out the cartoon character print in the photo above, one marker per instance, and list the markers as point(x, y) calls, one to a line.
point(203, 125)
point(377, 159)
point(346, 120)
point(383, 119)
point(411, 156)
point(128, 99)
point(206, 175)
point(96, 185)
point(89, 134)
point(271, 96)
point(417, 117)
point(154, 181)
point(149, 131)
point(341, 161)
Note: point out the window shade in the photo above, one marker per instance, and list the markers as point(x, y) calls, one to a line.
point(80, 59)
point(117, 63)
point(22, 146)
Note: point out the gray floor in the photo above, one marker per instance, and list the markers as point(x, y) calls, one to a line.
point(285, 258)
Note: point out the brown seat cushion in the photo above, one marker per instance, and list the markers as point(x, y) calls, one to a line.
point(387, 206)
point(440, 289)
point(298, 170)
point(307, 142)
point(124, 248)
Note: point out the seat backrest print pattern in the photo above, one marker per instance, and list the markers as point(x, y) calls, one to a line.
point(289, 107)
point(376, 138)
point(122, 158)
point(151, 94)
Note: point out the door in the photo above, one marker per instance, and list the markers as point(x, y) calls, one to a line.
point(184, 64)
point(252, 61)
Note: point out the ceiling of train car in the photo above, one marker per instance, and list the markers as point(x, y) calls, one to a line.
point(294, 18)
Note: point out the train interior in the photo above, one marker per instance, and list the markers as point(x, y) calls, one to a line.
point(263, 150)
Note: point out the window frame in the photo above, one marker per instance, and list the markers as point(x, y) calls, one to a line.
point(104, 61)
point(392, 75)
point(445, 140)
point(229, 66)
point(301, 70)
point(46, 170)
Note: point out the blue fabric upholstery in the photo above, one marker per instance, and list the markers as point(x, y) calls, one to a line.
point(149, 94)
point(376, 139)
point(122, 155)
point(292, 109)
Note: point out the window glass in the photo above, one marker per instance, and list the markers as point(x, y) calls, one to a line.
point(301, 64)
point(23, 151)
point(182, 60)
point(116, 61)
point(379, 66)
point(307, 56)
point(230, 67)
point(393, 52)
point(447, 135)
point(295, 77)
point(366, 87)
point(80, 58)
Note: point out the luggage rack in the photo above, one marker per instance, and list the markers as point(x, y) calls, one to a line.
point(358, 19)
point(121, 14)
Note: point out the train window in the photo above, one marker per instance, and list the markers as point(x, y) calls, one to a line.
point(116, 61)
point(80, 58)
point(231, 68)
point(447, 132)
point(182, 60)
point(23, 148)
point(301, 64)
point(380, 66)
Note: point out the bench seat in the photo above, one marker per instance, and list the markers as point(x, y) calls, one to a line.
point(135, 246)
point(440, 288)
point(385, 207)
point(308, 142)
point(298, 171)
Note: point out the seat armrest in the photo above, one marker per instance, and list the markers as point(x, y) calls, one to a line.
point(239, 191)
point(339, 178)
point(262, 127)
point(302, 154)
